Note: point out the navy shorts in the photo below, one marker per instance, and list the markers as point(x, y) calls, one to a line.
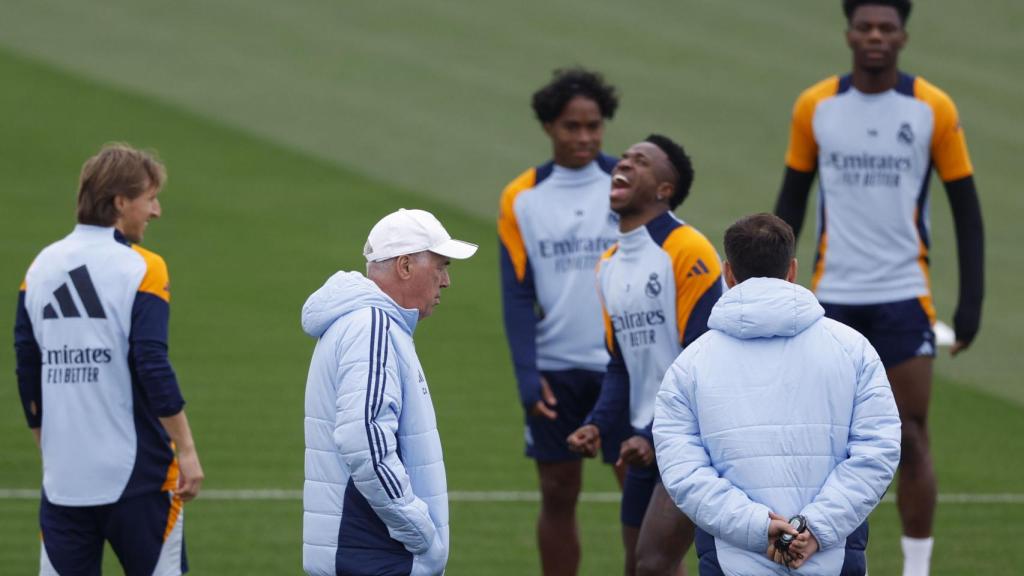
point(636, 493)
point(898, 331)
point(146, 532)
point(576, 392)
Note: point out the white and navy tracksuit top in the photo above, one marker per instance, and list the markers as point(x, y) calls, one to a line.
point(657, 286)
point(91, 344)
point(375, 498)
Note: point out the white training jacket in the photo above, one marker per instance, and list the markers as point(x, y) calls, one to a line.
point(375, 498)
point(776, 408)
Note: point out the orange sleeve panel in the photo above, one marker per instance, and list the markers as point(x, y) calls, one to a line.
point(948, 147)
point(24, 285)
point(156, 281)
point(609, 332)
point(508, 228)
point(802, 152)
point(696, 268)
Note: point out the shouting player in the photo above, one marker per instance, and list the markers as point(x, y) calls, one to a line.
point(658, 285)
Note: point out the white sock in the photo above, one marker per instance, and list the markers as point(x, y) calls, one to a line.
point(917, 555)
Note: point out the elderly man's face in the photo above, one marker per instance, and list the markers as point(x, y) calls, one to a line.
point(429, 274)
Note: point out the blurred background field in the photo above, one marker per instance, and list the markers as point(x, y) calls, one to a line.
point(289, 128)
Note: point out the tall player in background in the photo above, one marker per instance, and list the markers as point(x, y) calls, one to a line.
point(658, 285)
point(96, 385)
point(553, 224)
point(872, 137)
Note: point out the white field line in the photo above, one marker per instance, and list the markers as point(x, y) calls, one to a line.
point(501, 496)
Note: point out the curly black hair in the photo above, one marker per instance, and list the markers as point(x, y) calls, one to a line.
point(680, 161)
point(566, 84)
point(902, 7)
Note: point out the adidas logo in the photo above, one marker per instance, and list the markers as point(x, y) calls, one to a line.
point(83, 285)
point(699, 268)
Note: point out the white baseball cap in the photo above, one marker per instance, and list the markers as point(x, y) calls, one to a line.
point(411, 231)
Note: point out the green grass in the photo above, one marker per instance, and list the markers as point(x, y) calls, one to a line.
point(289, 128)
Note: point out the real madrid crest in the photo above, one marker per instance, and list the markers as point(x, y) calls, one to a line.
point(653, 287)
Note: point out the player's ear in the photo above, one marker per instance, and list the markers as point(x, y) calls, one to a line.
point(403, 266)
point(549, 129)
point(730, 278)
point(665, 191)
point(792, 272)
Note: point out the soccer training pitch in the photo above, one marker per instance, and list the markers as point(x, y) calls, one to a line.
point(289, 128)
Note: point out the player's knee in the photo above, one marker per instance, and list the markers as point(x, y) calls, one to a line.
point(559, 499)
point(914, 433)
point(653, 560)
point(559, 492)
point(914, 444)
point(653, 563)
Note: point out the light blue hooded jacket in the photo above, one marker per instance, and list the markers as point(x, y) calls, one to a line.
point(776, 408)
point(375, 499)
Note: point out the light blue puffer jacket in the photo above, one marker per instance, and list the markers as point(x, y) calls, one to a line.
point(776, 408)
point(375, 499)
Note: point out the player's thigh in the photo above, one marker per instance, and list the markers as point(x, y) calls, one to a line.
point(147, 534)
point(911, 382)
point(72, 540)
point(901, 332)
point(560, 484)
point(666, 532)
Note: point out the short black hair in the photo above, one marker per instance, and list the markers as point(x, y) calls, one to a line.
point(566, 84)
point(680, 161)
point(759, 246)
point(902, 7)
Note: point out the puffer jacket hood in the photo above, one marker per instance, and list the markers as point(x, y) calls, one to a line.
point(765, 308)
point(345, 292)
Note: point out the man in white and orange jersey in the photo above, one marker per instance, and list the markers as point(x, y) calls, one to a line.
point(657, 287)
point(97, 388)
point(553, 224)
point(872, 137)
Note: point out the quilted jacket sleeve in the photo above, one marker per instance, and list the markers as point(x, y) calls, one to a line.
point(369, 402)
point(712, 502)
point(857, 484)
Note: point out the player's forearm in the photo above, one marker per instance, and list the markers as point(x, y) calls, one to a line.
point(29, 366)
point(970, 243)
point(614, 398)
point(37, 433)
point(792, 201)
point(521, 332)
point(520, 329)
point(180, 432)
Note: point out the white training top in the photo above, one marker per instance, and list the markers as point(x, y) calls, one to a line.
point(874, 154)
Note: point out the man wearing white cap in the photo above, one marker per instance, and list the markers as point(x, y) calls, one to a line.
point(375, 498)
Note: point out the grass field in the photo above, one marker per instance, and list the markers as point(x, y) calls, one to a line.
point(289, 128)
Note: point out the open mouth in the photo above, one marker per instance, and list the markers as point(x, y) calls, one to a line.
point(620, 187)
